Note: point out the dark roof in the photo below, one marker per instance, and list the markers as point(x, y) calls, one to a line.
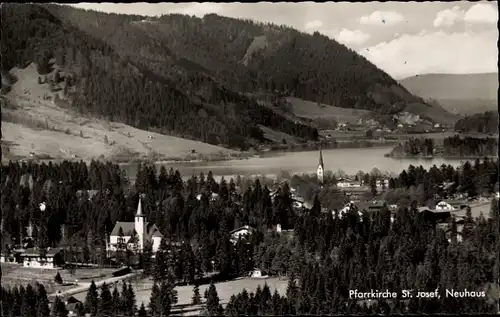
point(455, 202)
point(377, 204)
point(128, 229)
point(72, 300)
point(36, 252)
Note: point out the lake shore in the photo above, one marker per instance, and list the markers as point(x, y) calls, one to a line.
point(445, 157)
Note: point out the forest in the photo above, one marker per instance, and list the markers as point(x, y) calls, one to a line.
point(486, 122)
point(326, 256)
point(454, 146)
point(312, 67)
point(98, 79)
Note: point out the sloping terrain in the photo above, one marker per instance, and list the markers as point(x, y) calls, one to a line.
point(461, 93)
point(107, 80)
point(189, 77)
point(33, 121)
point(246, 56)
point(313, 110)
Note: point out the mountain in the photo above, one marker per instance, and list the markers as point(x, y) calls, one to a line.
point(464, 93)
point(193, 78)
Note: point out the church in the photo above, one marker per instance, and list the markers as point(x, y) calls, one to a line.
point(135, 234)
point(320, 171)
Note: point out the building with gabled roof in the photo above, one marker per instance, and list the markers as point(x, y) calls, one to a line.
point(135, 234)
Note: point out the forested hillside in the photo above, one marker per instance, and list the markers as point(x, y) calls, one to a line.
point(248, 56)
point(168, 72)
point(97, 80)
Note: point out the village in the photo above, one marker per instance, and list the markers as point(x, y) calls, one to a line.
point(133, 236)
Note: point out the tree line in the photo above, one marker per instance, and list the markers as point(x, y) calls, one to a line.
point(486, 122)
point(455, 146)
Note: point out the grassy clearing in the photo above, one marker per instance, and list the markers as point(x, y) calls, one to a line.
point(14, 274)
point(311, 110)
point(185, 293)
point(39, 124)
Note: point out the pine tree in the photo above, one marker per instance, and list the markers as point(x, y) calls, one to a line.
point(155, 300)
point(129, 300)
point(196, 300)
point(212, 304)
point(42, 302)
point(28, 305)
point(142, 311)
point(58, 278)
point(105, 307)
point(117, 302)
point(92, 300)
point(58, 308)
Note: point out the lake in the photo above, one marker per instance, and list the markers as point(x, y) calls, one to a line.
point(348, 160)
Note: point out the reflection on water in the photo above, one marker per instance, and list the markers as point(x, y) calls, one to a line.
point(348, 160)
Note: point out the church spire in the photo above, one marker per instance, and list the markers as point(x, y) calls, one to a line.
point(321, 158)
point(139, 208)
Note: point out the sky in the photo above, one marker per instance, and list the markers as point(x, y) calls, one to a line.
point(402, 38)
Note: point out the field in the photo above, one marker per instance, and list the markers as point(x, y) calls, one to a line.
point(311, 110)
point(185, 293)
point(34, 120)
point(277, 136)
point(14, 274)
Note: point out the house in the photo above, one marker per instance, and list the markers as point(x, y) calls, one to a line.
point(241, 232)
point(349, 207)
point(213, 197)
point(451, 205)
point(382, 182)
point(44, 259)
point(320, 171)
point(434, 215)
point(376, 205)
point(11, 256)
point(135, 234)
point(346, 183)
point(74, 306)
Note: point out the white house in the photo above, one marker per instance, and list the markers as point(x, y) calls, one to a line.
point(135, 234)
point(451, 205)
point(242, 232)
point(320, 171)
point(50, 259)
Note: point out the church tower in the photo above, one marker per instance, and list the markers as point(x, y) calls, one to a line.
point(140, 225)
point(320, 171)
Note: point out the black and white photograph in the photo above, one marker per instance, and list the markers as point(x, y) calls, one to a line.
point(249, 159)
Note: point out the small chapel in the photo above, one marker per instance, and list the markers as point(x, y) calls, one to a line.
point(135, 234)
point(320, 171)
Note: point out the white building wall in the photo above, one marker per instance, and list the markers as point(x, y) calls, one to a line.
point(36, 263)
point(156, 243)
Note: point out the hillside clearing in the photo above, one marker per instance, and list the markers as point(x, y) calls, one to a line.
point(313, 110)
point(37, 125)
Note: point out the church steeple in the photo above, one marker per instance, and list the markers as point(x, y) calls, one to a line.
point(321, 159)
point(321, 167)
point(139, 209)
point(140, 225)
